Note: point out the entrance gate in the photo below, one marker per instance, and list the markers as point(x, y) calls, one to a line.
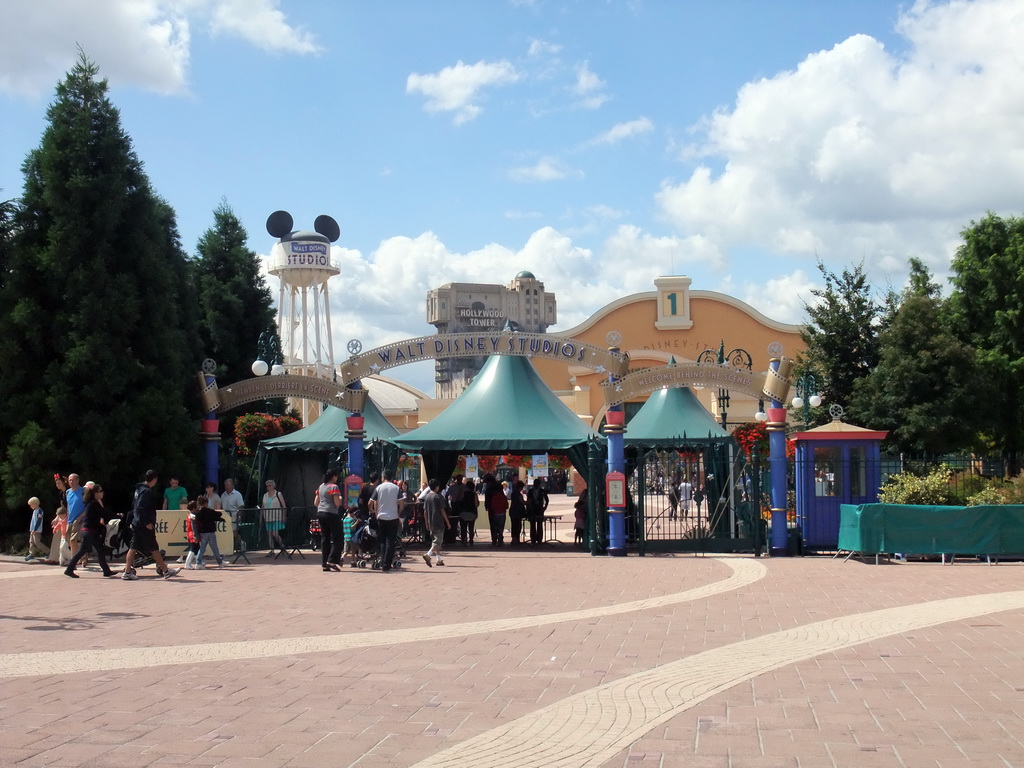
point(722, 515)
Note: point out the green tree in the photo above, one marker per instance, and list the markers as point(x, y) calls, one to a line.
point(842, 335)
point(924, 390)
point(235, 302)
point(986, 309)
point(96, 340)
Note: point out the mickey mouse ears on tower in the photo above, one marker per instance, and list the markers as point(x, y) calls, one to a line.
point(279, 225)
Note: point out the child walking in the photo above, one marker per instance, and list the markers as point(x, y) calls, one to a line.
point(347, 526)
point(192, 534)
point(59, 550)
point(35, 531)
point(207, 519)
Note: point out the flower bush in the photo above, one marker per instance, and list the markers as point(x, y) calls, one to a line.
point(756, 433)
point(251, 428)
point(487, 463)
point(559, 462)
point(517, 462)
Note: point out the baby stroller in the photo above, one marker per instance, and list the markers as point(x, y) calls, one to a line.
point(366, 538)
point(118, 540)
point(315, 536)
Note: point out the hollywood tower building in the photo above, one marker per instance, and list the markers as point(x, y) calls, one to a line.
point(479, 308)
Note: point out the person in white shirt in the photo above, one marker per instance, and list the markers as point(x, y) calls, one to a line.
point(386, 505)
point(685, 497)
point(231, 501)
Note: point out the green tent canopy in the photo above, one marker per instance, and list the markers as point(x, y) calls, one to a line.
point(671, 418)
point(506, 409)
point(328, 431)
point(298, 461)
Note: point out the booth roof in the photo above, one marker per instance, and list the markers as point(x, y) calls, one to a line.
point(329, 431)
point(506, 408)
point(673, 417)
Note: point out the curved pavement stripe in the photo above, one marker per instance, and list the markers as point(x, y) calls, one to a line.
point(744, 572)
point(26, 574)
point(590, 728)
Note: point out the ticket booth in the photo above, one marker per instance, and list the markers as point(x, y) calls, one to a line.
point(837, 463)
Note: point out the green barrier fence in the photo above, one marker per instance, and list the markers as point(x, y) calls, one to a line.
point(932, 530)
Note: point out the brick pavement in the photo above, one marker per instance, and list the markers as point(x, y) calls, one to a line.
point(530, 657)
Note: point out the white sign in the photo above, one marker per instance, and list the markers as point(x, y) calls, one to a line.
point(539, 465)
point(472, 467)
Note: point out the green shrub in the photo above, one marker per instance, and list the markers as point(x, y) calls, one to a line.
point(907, 488)
point(993, 494)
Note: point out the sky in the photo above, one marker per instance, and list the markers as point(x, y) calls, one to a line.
point(596, 143)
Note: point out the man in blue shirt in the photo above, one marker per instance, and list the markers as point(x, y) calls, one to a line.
point(76, 507)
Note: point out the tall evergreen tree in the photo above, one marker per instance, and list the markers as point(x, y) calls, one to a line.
point(96, 342)
point(235, 302)
point(924, 390)
point(842, 335)
point(986, 309)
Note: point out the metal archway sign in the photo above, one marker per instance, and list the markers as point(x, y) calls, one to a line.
point(439, 346)
point(316, 388)
point(772, 385)
point(626, 385)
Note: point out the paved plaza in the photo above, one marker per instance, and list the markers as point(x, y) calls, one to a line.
point(517, 657)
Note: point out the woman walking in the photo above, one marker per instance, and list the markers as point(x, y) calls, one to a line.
point(93, 527)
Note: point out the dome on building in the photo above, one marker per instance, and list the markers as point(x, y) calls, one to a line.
point(526, 275)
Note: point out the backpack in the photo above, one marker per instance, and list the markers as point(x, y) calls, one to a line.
point(129, 519)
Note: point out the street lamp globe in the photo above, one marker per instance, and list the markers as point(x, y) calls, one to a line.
point(815, 400)
point(277, 369)
point(761, 416)
point(260, 367)
point(798, 402)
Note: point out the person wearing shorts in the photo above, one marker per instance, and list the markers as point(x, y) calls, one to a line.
point(144, 532)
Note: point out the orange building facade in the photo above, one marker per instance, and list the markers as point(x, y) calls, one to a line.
point(672, 321)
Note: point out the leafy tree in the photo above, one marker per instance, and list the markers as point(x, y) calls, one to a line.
point(8, 209)
point(986, 309)
point(96, 340)
point(842, 335)
point(234, 299)
point(924, 389)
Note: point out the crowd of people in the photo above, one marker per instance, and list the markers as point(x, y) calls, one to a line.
point(83, 521)
point(80, 525)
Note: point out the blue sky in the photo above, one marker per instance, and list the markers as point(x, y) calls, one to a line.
point(598, 143)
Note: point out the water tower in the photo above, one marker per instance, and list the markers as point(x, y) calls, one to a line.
point(302, 262)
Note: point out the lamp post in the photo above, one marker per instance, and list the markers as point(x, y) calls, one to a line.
point(807, 396)
point(737, 358)
point(268, 355)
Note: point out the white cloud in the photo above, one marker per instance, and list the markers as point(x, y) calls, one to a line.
point(782, 298)
point(135, 42)
point(542, 48)
point(545, 169)
point(262, 24)
point(622, 131)
point(858, 153)
point(589, 88)
point(455, 88)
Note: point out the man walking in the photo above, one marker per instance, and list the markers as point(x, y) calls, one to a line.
point(386, 505)
point(437, 521)
point(144, 531)
point(73, 496)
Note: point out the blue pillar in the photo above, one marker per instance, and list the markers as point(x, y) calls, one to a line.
point(356, 435)
point(210, 433)
point(777, 469)
point(614, 430)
